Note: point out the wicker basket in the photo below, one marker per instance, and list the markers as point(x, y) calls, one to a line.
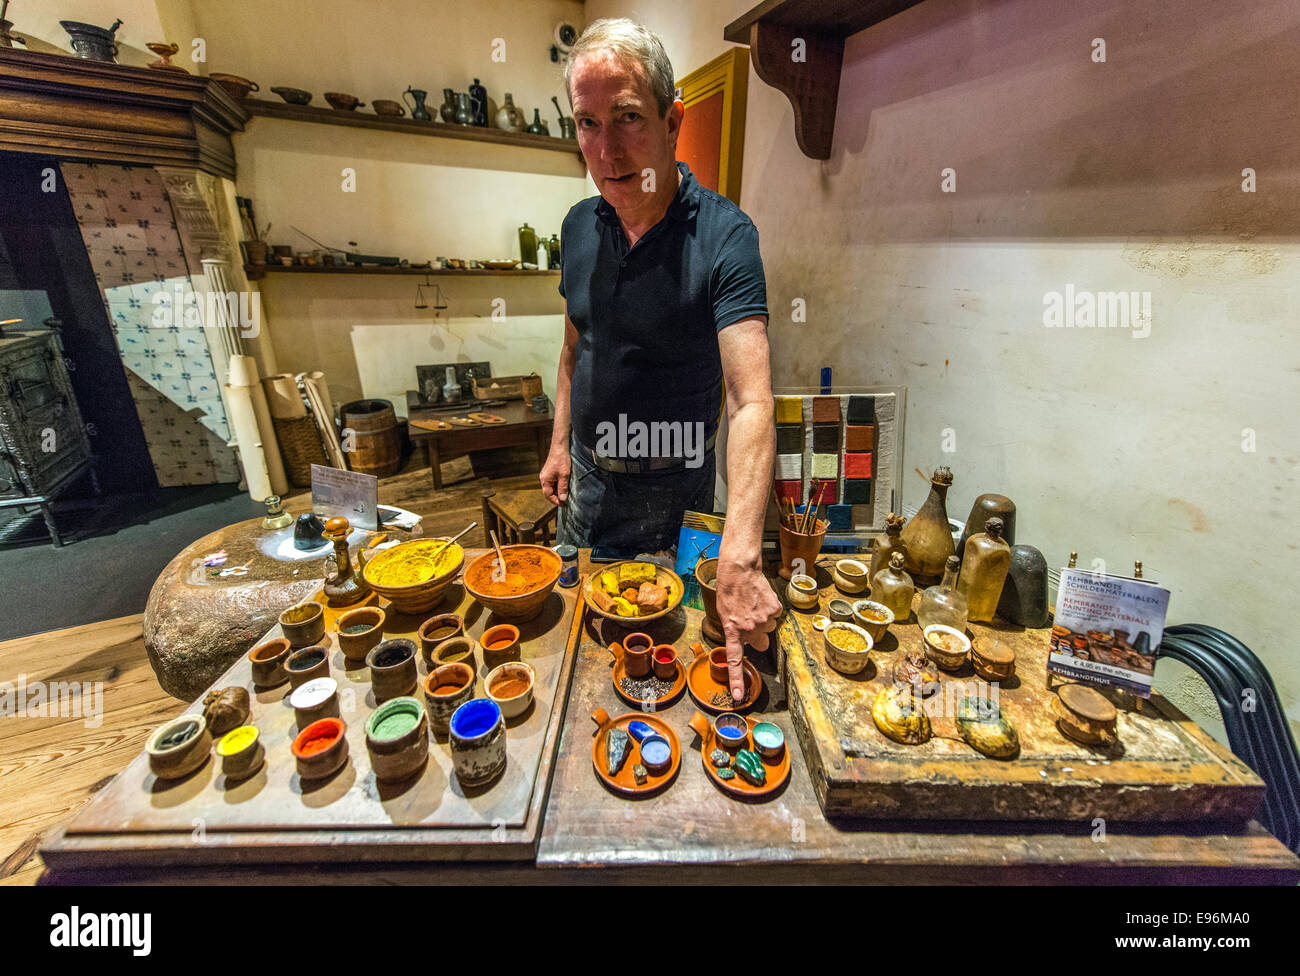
point(300, 444)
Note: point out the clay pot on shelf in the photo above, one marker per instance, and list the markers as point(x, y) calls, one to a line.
point(307, 664)
point(499, 644)
point(314, 700)
point(454, 650)
point(267, 662)
point(294, 96)
point(343, 101)
point(321, 749)
point(511, 687)
point(241, 752)
point(303, 624)
point(239, 88)
point(435, 630)
point(388, 108)
point(179, 747)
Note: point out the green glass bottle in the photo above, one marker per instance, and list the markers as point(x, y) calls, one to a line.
point(527, 244)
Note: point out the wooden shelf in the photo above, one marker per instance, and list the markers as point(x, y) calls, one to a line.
point(362, 119)
point(258, 271)
point(812, 85)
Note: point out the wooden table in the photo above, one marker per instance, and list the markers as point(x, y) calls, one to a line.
point(523, 427)
point(693, 833)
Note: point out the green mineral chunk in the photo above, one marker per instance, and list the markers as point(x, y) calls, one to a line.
point(726, 774)
point(750, 766)
point(719, 758)
point(617, 746)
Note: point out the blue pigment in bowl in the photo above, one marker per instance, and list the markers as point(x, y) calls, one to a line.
point(475, 718)
point(655, 751)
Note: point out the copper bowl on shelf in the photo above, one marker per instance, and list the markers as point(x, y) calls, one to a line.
point(343, 101)
point(239, 88)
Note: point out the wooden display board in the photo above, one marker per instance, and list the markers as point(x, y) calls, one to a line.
point(1163, 769)
point(274, 816)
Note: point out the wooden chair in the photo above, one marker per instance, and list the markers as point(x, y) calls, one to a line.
point(518, 517)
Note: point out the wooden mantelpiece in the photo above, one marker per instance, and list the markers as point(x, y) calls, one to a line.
point(812, 84)
point(71, 108)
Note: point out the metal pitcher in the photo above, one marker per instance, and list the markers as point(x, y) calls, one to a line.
point(466, 108)
point(418, 111)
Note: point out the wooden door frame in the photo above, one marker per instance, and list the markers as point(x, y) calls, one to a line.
point(728, 73)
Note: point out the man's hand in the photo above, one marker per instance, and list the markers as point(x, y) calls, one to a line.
point(555, 476)
point(749, 611)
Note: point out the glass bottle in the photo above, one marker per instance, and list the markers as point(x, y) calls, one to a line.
point(928, 536)
point(884, 545)
point(984, 569)
point(553, 251)
point(527, 244)
point(893, 587)
point(942, 604)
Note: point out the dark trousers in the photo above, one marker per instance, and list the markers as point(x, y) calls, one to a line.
point(630, 514)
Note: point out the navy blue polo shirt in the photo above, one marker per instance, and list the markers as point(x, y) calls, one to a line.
point(648, 317)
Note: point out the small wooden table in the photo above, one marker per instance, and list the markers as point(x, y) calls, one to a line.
point(523, 426)
point(524, 516)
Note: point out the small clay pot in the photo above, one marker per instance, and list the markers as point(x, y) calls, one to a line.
point(393, 673)
point(478, 742)
point(770, 740)
point(241, 752)
point(357, 645)
point(873, 617)
point(718, 669)
point(388, 108)
point(455, 650)
point(458, 679)
point(343, 101)
point(801, 591)
point(665, 662)
point(842, 660)
point(397, 755)
point(516, 702)
point(1085, 715)
point(730, 731)
point(238, 87)
point(307, 664)
point(267, 662)
point(304, 624)
point(637, 654)
point(314, 700)
point(437, 629)
point(500, 644)
point(840, 610)
point(996, 662)
point(321, 748)
point(850, 576)
point(948, 660)
point(177, 759)
point(656, 753)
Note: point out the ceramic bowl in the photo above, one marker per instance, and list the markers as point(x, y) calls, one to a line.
point(456, 650)
point(367, 629)
point(445, 690)
point(872, 617)
point(478, 742)
point(435, 630)
point(303, 624)
point(511, 687)
point(343, 101)
point(241, 752)
point(499, 644)
point(172, 760)
point(840, 610)
point(946, 646)
point(520, 606)
point(842, 660)
point(656, 753)
point(306, 664)
point(730, 731)
point(314, 700)
point(770, 740)
point(267, 662)
point(664, 577)
point(294, 96)
point(321, 748)
point(397, 738)
point(850, 575)
point(801, 591)
point(387, 107)
point(393, 672)
point(414, 598)
point(239, 88)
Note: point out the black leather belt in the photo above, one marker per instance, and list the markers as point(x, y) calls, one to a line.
point(635, 466)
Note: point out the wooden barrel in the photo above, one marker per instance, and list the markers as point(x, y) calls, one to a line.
point(370, 430)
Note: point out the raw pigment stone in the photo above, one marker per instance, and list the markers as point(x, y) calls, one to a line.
point(726, 774)
point(617, 746)
point(719, 758)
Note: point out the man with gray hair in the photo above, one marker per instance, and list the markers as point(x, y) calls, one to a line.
point(665, 322)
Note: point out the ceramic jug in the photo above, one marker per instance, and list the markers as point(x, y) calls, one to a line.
point(538, 127)
point(466, 109)
point(479, 96)
point(418, 111)
point(447, 110)
point(509, 117)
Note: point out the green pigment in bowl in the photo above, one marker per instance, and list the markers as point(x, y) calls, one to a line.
point(768, 735)
point(394, 722)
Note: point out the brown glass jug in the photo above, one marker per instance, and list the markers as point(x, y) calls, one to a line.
point(984, 570)
point(928, 537)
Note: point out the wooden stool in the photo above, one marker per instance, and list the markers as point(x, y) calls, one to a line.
point(518, 517)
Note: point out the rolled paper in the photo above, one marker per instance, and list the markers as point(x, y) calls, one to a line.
point(825, 465)
point(826, 410)
point(857, 464)
point(243, 420)
point(789, 410)
point(323, 414)
point(242, 371)
point(859, 438)
point(789, 467)
point(283, 398)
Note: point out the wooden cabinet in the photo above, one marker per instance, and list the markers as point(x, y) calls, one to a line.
point(43, 442)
